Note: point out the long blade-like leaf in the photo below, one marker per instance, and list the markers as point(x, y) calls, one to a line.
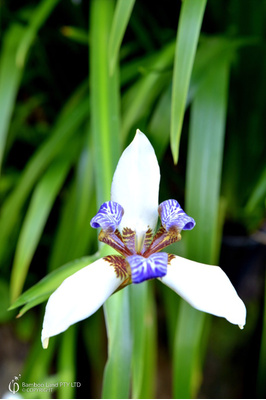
point(40, 206)
point(116, 382)
point(139, 295)
point(187, 39)
point(205, 156)
point(17, 43)
point(259, 193)
point(106, 146)
point(121, 17)
point(74, 236)
point(104, 100)
point(66, 126)
point(67, 363)
point(10, 75)
point(262, 359)
point(37, 19)
point(144, 334)
point(139, 99)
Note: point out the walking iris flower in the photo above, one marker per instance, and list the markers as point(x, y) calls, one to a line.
point(128, 224)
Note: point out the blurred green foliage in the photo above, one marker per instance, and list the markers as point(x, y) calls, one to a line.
point(77, 79)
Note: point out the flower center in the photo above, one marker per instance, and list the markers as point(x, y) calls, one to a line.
point(141, 253)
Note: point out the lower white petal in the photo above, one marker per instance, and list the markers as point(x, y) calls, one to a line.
point(78, 297)
point(206, 288)
point(136, 186)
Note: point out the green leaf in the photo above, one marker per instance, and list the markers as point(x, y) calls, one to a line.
point(120, 20)
point(187, 39)
point(136, 67)
point(33, 303)
point(37, 367)
point(67, 363)
point(139, 99)
point(160, 122)
point(68, 122)
point(262, 354)
point(10, 75)
point(75, 34)
point(74, 236)
point(106, 145)
point(117, 373)
point(104, 100)
point(189, 330)
point(17, 43)
point(37, 19)
point(139, 296)
point(144, 340)
point(40, 206)
point(148, 388)
point(258, 194)
point(4, 302)
point(205, 154)
point(211, 51)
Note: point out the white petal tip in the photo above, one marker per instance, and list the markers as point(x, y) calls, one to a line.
point(236, 311)
point(206, 288)
point(135, 185)
point(78, 297)
point(45, 343)
point(144, 140)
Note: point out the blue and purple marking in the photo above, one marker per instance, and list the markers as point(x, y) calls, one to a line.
point(147, 263)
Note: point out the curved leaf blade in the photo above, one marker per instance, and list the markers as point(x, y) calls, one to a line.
point(187, 39)
point(68, 122)
point(205, 154)
point(120, 20)
point(41, 203)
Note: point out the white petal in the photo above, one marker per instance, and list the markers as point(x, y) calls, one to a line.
point(78, 297)
point(206, 288)
point(136, 185)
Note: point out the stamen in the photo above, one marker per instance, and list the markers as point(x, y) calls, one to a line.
point(172, 216)
point(139, 241)
point(143, 268)
point(115, 241)
point(128, 236)
point(162, 239)
point(108, 217)
point(147, 240)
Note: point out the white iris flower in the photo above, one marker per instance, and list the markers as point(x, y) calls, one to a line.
point(128, 223)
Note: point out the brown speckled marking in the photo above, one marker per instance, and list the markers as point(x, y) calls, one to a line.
point(119, 264)
point(129, 239)
point(161, 240)
point(115, 241)
point(147, 240)
point(170, 258)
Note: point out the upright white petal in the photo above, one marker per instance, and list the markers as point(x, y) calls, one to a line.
point(78, 297)
point(206, 288)
point(136, 185)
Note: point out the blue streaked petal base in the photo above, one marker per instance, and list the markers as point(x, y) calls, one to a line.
point(173, 217)
point(108, 217)
point(143, 268)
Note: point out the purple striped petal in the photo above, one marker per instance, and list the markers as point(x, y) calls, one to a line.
point(172, 216)
point(108, 217)
point(147, 268)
